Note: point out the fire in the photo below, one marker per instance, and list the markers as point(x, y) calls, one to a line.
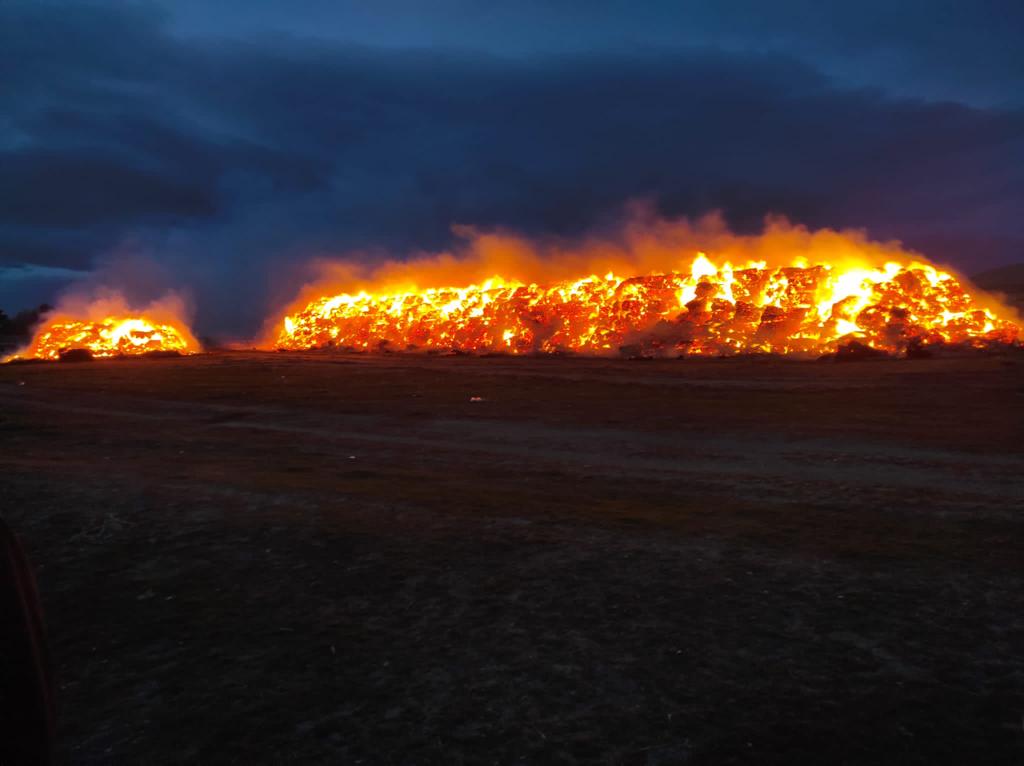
point(702, 306)
point(120, 332)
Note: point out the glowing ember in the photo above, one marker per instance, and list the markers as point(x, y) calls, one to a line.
point(109, 336)
point(704, 309)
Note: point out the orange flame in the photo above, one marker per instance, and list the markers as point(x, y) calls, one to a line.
point(107, 328)
point(696, 306)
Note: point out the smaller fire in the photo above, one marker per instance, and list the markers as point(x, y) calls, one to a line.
point(108, 328)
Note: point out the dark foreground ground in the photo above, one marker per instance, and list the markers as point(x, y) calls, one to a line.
point(254, 558)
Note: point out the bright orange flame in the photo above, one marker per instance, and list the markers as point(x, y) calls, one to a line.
point(698, 307)
point(109, 336)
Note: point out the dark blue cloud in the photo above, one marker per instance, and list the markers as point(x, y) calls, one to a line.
point(227, 161)
point(936, 49)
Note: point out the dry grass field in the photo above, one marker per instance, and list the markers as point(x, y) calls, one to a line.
point(323, 558)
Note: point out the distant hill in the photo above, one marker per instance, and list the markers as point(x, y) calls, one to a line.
point(1003, 278)
point(1006, 280)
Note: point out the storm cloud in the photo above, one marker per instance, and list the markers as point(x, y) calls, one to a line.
point(231, 162)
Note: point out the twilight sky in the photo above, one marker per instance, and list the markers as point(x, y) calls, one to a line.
point(215, 146)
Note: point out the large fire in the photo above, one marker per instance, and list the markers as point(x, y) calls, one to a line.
point(703, 306)
point(107, 327)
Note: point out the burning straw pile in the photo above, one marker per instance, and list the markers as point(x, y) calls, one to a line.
point(793, 293)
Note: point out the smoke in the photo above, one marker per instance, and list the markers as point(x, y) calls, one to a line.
point(169, 308)
point(125, 284)
point(641, 243)
point(129, 281)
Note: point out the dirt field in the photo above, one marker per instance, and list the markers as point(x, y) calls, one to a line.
point(255, 558)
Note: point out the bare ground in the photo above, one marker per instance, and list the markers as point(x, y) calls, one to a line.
point(255, 558)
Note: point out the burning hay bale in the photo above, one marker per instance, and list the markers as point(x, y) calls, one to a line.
point(77, 340)
point(107, 328)
point(705, 310)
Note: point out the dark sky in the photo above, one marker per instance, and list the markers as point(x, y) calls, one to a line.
point(215, 145)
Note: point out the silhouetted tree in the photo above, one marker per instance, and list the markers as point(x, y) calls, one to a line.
point(20, 327)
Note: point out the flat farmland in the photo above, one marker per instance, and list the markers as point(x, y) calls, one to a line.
point(330, 558)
